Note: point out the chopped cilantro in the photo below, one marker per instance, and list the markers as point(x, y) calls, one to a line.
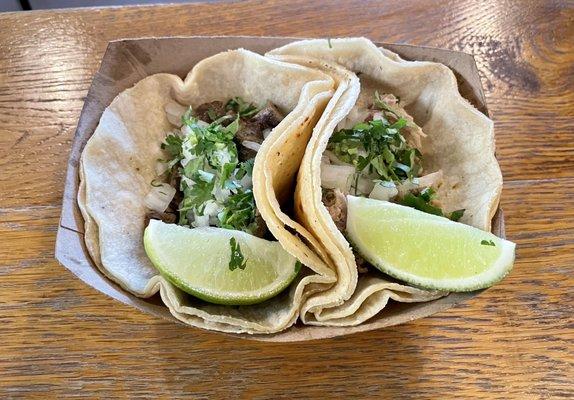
point(377, 147)
point(456, 215)
point(187, 118)
point(487, 243)
point(226, 174)
point(237, 259)
point(238, 212)
point(428, 194)
point(241, 107)
point(195, 197)
point(205, 159)
point(418, 202)
point(172, 145)
point(298, 266)
point(245, 168)
point(422, 202)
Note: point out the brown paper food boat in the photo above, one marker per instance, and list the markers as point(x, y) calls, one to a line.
point(126, 62)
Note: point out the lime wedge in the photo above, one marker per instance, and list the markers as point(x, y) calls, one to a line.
point(426, 250)
point(197, 262)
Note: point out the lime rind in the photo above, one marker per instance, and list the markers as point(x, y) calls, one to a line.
point(197, 262)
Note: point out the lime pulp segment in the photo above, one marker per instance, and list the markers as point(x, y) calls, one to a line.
point(197, 262)
point(426, 250)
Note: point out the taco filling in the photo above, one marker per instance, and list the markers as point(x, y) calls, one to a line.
point(209, 165)
point(206, 177)
point(376, 152)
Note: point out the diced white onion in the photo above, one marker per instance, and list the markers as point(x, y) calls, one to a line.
point(186, 148)
point(160, 167)
point(336, 176)
point(222, 156)
point(200, 220)
point(221, 194)
point(202, 124)
point(212, 208)
point(185, 130)
point(246, 182)
point(407, 186)
point(266, 132)
point(333, 158)
point(384, 191)
point(251, 145)
point(364, 186)
point(188, 182)
point(159, 197)
point(174, 112)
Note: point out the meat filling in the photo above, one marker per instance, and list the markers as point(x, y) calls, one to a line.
point(250, 129)
point(210, 112)
point(167, 217)
point(268, 117)
point(336, 204)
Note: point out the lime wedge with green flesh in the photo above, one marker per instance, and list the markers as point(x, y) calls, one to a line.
point(197, 261)
point(426, 250)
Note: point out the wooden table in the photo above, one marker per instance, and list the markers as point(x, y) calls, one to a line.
point(60, 338)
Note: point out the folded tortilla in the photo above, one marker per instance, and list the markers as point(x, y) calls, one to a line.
point(118, 164)
point(460, 142)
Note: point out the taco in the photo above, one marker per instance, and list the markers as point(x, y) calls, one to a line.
point(404, 135)
point(177, 170)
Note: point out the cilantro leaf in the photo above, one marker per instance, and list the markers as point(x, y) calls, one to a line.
point(487, 243)
point(241, 107)
point(245, 168)
point(456, 215)
point(187, 118)
point(238, 212)
point(172, 145)
point(237, 259)
point(419, 203)
point(298, 266)
point(428, 194)
point(195, 197)
point(422, 202)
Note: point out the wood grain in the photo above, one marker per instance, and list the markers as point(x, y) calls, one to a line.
point(516, 340)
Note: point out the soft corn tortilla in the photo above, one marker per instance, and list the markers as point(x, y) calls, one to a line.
point(118, 164)
point(460, 141)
